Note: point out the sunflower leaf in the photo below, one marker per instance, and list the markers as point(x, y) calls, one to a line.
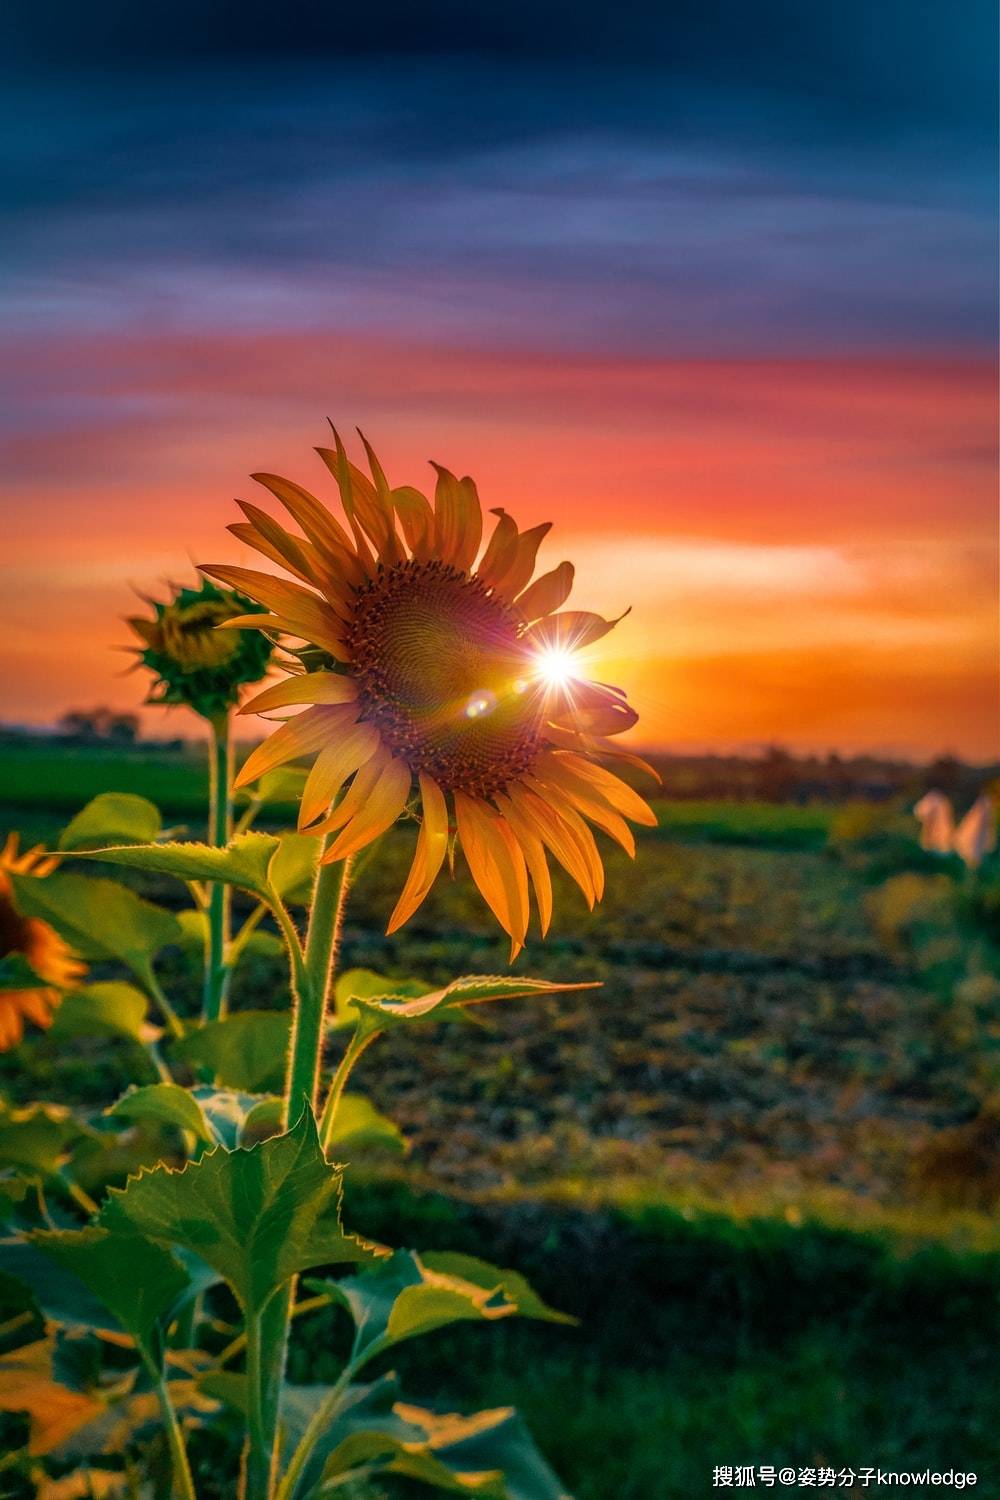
point(359, 1126)
point(379, 1012)
point(256, 1215)
point(99, 918)
point(36, 1138)
point(244, 1051)
point(245, 862)
point(112, 818)
point(139, 1282)
point(491, 1455)
point(365, 984)
point(166, 1104)
point(109, 1008)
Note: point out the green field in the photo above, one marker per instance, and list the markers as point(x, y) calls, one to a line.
point(713, 1161)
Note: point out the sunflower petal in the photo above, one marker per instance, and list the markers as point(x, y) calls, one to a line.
point(331, 768)
point(432, 845)
point(416, 519)
point(370, 517)
point(309, 616)
point(310, 687)
point(271, 538)
point(547, 593)
point(518, 574)
point(571, 630)
point(497, 865)
point(595, 709)
point(500, 550)
point(534, 856)
point(574, 770)
point(356, 795)
point(306, 733)
point(590, 805)
point(458, 520)
point(557, 837)
point(382, 807)
point(279, 625)
point(322, 528)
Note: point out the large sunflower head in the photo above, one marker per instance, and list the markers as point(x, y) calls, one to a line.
point(55, 964)
point(191, 660)
point(437, 671)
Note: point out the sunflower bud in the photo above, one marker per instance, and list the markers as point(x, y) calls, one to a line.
point(194, 662)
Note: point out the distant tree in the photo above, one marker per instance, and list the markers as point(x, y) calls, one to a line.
point(100, 723)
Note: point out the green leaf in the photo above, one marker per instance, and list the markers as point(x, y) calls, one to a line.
point(491, 1455)
point(245, 862)
point(109, 1008)
point(359, 1126)
point(402, 1298)
point(57, 1291)
point(379, 1012)
point(167, 1104)
point(17, 974)
point(36, 1137)
point(513, 1285)
point(244, 1051)
point(365, 984)
point(215, 1116)
point(293, 869)
point(257, 1215)
point(284, 785)
point(112, 818)
point(139, 1282)
point(99, 918)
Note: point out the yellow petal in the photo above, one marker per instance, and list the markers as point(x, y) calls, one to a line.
point(573, 769)
point(578, 858)
point(380, 810)
point(591, 805)
point(458, 520)
point(500, 550)
point(497, 865)
point(310, 687)
point(417, 520)
point(268, 536)
point(322, 528)
point(518, 575)
point(594, 709)
point(305, 614)
point(546, 593)
point(432, 845)
point(534, 856)
point(334, 763)
point(570, 631)
point(371, 518)
point(356, 794)
point(303, 735)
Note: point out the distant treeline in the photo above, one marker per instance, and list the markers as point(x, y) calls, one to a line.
point(778, 775)
point(772, 775)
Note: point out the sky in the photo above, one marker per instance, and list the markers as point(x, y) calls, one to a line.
point(712, 287)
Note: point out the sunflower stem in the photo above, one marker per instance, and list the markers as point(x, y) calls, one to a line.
point(310, 971)
point(220, 822)
point(352, 1052)
point(333, 882)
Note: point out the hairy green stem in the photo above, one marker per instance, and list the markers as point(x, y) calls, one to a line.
point(352, 1052)
point(183, 1482)
point(310, 971)
point(174, 1023)
point(306, 1051)
point(220, 822)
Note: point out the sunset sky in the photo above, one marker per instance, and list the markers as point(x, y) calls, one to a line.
point(713, 288)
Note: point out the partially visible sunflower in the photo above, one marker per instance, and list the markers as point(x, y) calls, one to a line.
point(52, 960)
point(422, 665)
point(192, 661)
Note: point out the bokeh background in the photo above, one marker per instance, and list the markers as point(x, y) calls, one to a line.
point(713, 288)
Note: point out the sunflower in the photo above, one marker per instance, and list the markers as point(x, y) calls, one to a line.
point(192, 661)
point(34, 941)
point(431, 670)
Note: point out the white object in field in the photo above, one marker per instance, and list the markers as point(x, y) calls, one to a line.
point(937, 823)
point(976, 835)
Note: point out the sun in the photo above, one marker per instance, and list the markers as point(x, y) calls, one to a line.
point(556, 667)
